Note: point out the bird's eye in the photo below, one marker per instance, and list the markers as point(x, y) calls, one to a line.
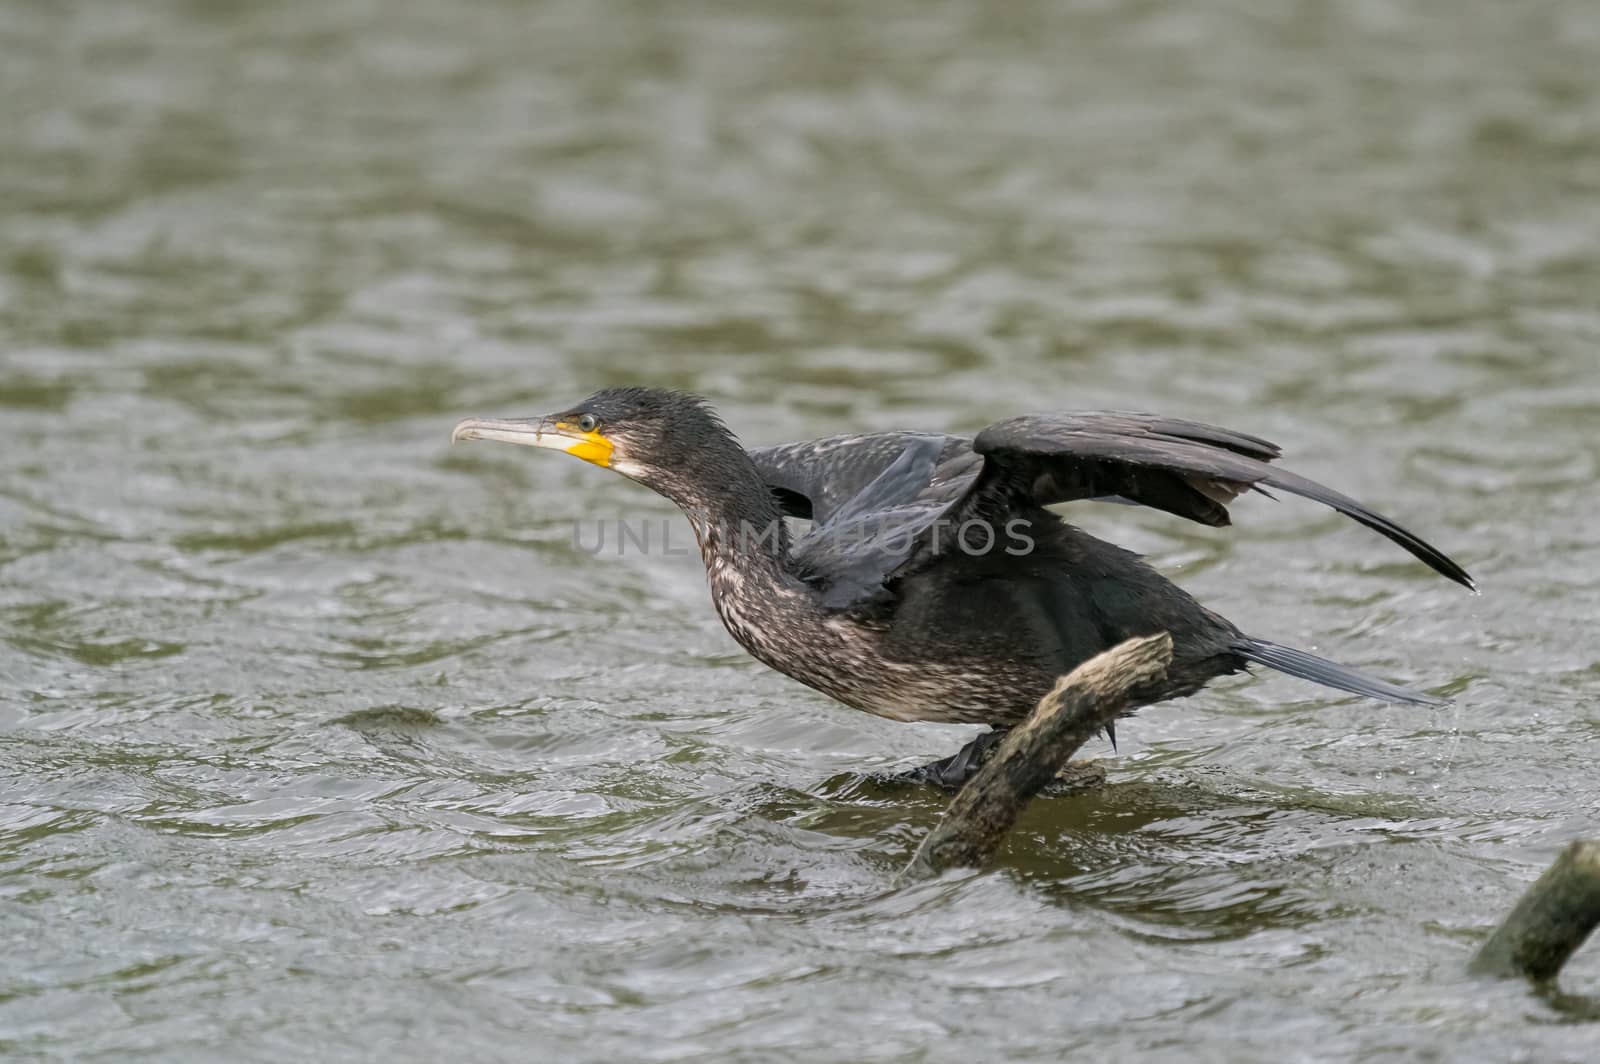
point(588, 423)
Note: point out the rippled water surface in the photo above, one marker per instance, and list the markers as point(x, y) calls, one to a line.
point(319, 740)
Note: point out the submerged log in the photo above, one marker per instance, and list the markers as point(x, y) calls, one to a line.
point(1081, 704)
point(1551, 921)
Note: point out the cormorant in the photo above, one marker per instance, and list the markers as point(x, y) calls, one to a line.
point(933, 584)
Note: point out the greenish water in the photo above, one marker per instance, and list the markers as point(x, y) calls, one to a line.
point(319, 740)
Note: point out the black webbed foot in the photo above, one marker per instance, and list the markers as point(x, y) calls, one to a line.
point(952, 773)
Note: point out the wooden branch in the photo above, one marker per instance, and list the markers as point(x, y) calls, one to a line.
point(1081, 703)
point(1551, 921)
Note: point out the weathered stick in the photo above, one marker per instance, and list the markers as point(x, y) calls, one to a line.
point(1080, 704)
point(1551, 921)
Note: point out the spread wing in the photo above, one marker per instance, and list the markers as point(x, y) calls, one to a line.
point(1134, 457)
point(890, 489)
point(1182, 467)
point(869, 498)
point(814, 478)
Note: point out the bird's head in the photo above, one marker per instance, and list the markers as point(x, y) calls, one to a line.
point(669, 441)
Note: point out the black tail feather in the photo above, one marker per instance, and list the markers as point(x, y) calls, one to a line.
point(1320, 670)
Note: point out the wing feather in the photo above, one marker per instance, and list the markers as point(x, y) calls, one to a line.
point(813, 478)
point(874, 498)
point(1182, 467)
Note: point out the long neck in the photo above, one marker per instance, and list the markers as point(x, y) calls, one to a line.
point(735, 518)
point(745, 546)
point(747, 534)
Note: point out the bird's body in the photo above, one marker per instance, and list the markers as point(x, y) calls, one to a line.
point(933, 583)
point(981, 643)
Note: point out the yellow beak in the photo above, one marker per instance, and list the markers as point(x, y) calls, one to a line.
point(537, 432)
